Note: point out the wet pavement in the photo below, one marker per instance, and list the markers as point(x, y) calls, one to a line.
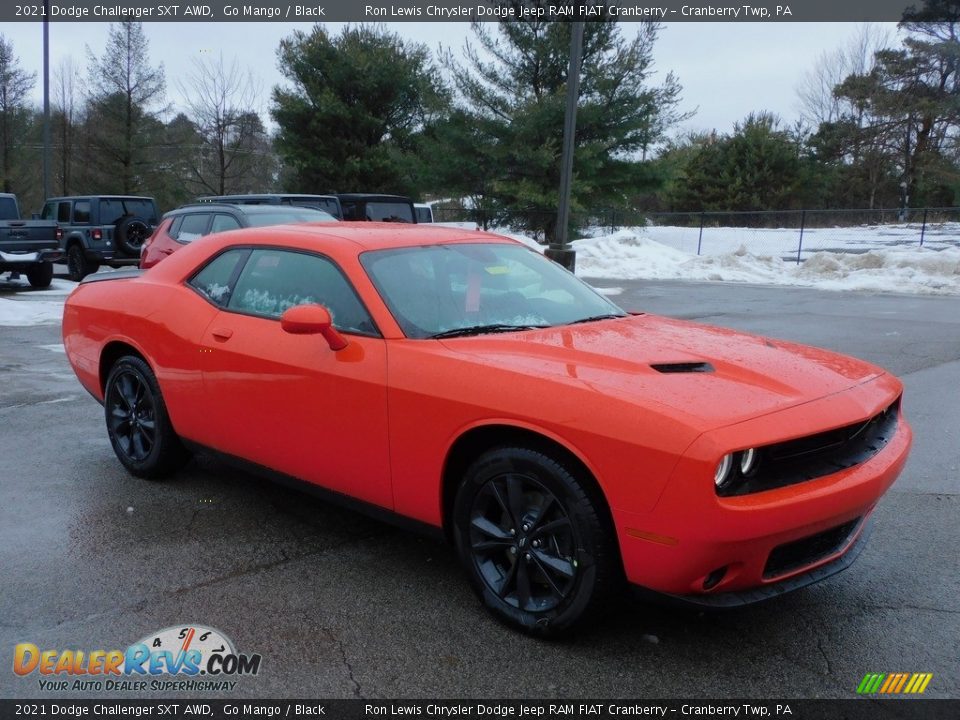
point(340, 605)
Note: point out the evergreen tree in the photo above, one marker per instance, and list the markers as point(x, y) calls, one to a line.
point(15, 85)
point(357, 103)
point(758, 167)
point(512, 91)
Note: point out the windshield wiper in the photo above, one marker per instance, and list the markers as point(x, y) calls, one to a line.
point(481, 329)
point(594, 318)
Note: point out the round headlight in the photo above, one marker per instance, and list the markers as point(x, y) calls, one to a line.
point(748, 461)
point(722, 474)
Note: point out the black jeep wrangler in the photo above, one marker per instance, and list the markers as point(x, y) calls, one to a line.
point(101, 229)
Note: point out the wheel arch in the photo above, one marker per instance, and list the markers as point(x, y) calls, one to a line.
point(113, 351)
point(477, 440)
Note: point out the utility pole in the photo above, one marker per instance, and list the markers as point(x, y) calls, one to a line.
point(46, 99)
point(560, 249)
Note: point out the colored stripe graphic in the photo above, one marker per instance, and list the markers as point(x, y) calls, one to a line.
point(894, 683)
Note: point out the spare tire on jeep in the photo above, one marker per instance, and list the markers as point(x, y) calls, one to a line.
point(130, 232)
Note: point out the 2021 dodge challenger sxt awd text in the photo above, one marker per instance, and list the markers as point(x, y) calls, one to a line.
point(466, 383)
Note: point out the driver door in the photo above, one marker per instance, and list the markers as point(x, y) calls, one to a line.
point(289, 402)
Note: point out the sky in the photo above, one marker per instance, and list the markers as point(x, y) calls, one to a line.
point(727, 70)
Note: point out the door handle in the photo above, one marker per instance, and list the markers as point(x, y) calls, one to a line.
point(222, 333)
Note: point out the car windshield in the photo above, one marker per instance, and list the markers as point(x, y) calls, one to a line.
point(283, 215)
point(463, 289)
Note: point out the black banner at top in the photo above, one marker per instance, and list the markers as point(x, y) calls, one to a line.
point(210, 11)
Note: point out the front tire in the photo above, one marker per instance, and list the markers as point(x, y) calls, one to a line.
point(137, 421)
point(534, 540)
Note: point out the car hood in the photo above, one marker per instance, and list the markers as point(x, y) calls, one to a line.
point(716, 375)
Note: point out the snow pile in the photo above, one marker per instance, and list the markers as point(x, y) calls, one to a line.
point(21, 313)
point(634, 254)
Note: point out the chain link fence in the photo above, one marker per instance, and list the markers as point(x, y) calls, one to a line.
point(792, 235)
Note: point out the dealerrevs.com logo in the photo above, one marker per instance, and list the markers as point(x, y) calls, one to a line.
point(184, 657)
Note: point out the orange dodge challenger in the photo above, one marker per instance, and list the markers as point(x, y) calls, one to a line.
point(467, 385)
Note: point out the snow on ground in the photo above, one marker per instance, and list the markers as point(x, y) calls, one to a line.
point(885, 258)
point(638, 254)
point(785, 242)
point(21, 313)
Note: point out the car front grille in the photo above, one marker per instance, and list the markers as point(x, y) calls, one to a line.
point(806, 551)
point(815, 456)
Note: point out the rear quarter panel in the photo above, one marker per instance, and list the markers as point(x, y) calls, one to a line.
point(163, 322)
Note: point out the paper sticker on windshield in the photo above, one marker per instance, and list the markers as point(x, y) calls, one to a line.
point(497, 269)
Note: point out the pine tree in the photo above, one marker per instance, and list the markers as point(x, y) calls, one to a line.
point(358, 101)
point(512, 89)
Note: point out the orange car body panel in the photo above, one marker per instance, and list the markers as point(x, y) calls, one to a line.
point(376, 420)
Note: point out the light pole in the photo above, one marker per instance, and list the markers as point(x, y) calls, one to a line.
point(46, 99)
point(560, 249)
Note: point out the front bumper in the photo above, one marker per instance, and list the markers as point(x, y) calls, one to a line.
point(699, 547)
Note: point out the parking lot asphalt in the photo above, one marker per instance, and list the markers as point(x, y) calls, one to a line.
point(340, 605)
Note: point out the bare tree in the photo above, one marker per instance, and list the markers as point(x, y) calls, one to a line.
point(818, 103)
point(220, 99)
point(66, 79)
point(15, 85)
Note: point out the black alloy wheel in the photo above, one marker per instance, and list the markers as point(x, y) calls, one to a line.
point(535, 540)
point(137, 422)
point(523, 543)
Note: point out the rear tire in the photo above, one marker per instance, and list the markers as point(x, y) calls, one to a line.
point(534, 540)
point(78, 267)
point(137, 421)
point(40, 275)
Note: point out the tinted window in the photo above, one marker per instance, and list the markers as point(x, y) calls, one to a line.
point(275, 280)
point(424, 215)
point(8, 209)
point(222, 223)
point(116, 208)
point(63, 212)
point(213, 282)
point(81, 211)
point(326, 204)
point(192, 226)
point(281, 216)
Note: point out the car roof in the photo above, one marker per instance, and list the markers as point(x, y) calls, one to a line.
point(242, 208)
point(373, 196)
point(102, 197)
point(376, 235)
point(264, 196)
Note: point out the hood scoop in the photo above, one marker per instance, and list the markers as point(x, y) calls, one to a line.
point(683, 367)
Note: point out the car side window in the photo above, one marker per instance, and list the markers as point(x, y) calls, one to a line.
point(192, 227)
point(63, 212)
point(274, 280)
point(213, 281)
point(81, 212)
point(222, 223)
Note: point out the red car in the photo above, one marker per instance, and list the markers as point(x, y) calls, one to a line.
point(191, 222)
point(462, 382)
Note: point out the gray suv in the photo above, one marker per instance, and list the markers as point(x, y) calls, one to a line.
point(101, 229)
